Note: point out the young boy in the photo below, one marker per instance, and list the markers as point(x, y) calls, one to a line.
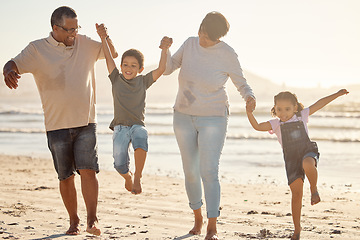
point(129, 92)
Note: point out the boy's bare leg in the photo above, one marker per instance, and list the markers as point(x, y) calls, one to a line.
point(128, 181)
point(312, 175)
point(90, 190)
point(68, 195)
point(196, 230)
point(296, 203)
point(211, 233)
point(140, 157)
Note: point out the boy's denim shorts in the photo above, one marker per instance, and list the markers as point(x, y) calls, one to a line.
point(122, 136)
point(73, 149)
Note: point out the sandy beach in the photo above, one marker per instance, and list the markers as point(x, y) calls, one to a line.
point(31, 208)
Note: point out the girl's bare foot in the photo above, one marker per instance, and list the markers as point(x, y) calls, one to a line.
point(128, 181)
point(315, 198)
point(197, 226)
point(136, 187)
point(295, 236)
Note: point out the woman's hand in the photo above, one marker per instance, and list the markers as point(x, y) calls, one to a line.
point(250, 104)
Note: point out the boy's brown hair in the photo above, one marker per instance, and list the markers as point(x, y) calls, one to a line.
point(136, 54)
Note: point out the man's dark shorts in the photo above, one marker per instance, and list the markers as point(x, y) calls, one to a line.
point(73, 149)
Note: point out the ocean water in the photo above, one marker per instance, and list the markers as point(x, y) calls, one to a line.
point(248, 156)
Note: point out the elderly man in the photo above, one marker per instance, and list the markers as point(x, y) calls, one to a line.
point(63, 67)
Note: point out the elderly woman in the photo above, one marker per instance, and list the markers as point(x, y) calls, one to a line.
point(201, 112)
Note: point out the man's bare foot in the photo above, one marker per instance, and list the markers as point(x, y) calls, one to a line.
point(92, 229)
point(136, 187)
point(197, 227)
point(73, 229)
point(315, 198)
point(128, 181)
point(211, 236)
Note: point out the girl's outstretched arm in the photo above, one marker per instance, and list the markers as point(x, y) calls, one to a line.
point(264, 126)
point(326, 100)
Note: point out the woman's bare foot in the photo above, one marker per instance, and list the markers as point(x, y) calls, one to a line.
point(315, 198)
point(211, 230)
point(211, 236)
point(128, 181)
point(74, 228)
point(136, 187)
point(196, 230)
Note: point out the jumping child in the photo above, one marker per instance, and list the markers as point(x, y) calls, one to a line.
point(300, 153)
point(129, 92)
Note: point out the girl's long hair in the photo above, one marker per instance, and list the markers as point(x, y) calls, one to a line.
point(289, 97)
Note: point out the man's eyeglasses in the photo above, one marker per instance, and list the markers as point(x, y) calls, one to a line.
point(71, 30)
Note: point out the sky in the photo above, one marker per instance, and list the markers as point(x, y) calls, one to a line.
point(308, 43)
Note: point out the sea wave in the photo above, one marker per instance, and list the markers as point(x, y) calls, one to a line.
point(170, 133)
point(270, 137)
point(22, 130)
point(349, 110)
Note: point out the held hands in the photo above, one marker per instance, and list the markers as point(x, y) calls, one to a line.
point(101, 30)
point(11, 79)
point(165, 43)
point(250, 104)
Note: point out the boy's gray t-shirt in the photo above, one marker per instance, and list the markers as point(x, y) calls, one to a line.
point(129, 98)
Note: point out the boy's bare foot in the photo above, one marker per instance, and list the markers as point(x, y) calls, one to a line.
point(74, 228)
point(136, 187)
point(315, 198)
point(128, 181)
point(197, 227)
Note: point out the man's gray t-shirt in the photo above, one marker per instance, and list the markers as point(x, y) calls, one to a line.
point(129, 98)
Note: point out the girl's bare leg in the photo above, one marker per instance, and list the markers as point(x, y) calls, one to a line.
point(296, 203)
point(312, 175)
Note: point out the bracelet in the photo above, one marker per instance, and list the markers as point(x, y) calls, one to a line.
point(107, 37)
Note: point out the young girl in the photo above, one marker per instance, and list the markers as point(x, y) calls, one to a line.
point(300, 154)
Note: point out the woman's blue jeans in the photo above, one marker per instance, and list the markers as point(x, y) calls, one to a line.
point(201, 140)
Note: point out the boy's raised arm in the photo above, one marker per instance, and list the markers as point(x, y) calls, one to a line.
point(110, 63)
point(164, 45)
point(326, 100)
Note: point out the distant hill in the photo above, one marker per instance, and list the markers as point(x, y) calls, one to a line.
point(165, 89)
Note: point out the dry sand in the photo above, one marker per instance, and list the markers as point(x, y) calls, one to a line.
point(31, 208)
